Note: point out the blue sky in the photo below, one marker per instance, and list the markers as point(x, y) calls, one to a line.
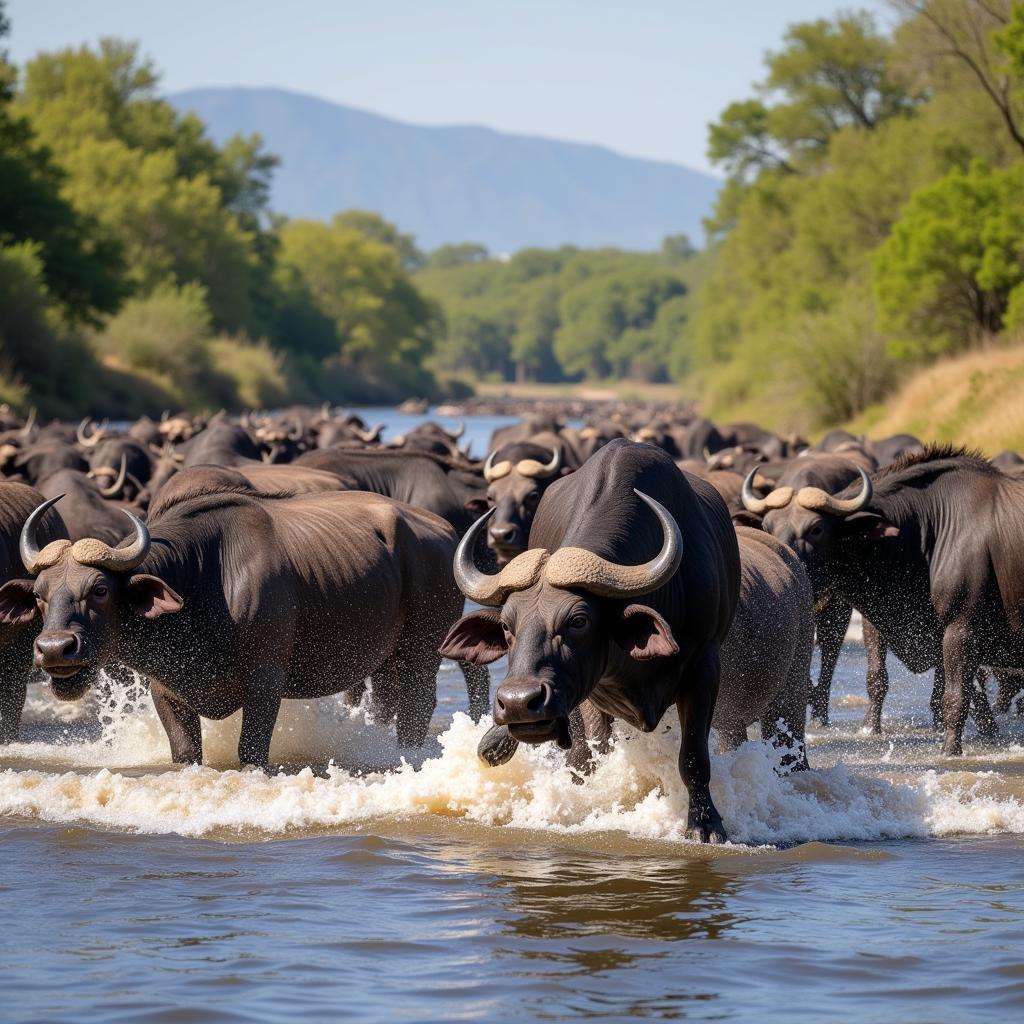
point(643, 77)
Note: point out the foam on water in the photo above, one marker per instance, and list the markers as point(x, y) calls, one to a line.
point(116, 774)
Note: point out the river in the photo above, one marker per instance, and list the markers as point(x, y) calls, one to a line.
point(888, 883)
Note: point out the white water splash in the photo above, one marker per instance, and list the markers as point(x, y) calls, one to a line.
point(635, 789)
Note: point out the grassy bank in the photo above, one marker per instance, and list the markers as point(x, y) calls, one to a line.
point(976, 399)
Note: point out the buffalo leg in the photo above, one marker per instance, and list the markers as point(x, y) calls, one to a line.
point(981, 710)
point(831, 625)
point(587, 725)
point(12, 703)
point(731, 736)
point(877, 677)
point(1010, 683)
point(478, 688)
point(959, 667)
point(415, 696)
point(938, 696)
point(180, 722)
point(259, 716)
point(696, 707)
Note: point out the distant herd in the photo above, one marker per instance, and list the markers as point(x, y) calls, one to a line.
point(626, 558)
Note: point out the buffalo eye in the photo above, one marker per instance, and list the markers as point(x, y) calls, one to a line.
point(579, 621)
point(532, 499)
point(815, 531)
point(100, 590)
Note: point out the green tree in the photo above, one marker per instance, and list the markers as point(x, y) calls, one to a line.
point(179, 208)
point(829, 75)
point(356, 283)
point(374, 226)
point(946, 273)
point(80, 270)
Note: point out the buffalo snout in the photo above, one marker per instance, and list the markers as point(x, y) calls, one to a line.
point(533, 711)
point(56, 648)
point(504, 534)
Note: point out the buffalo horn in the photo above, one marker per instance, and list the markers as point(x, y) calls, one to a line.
point(494, 472)
point(520, 574)
point(28, 546)
point(817, 500)
point(115, 488)
point(779, 498)
point(540, 470)
point(570, 567)
point(577, 567)
point(89, 441)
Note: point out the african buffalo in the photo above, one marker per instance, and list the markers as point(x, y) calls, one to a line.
point(517, 476)
point(929, 552)
point(573, 628)
point(236, 600)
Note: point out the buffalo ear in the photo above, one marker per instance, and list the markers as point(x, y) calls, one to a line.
point(745, 518)
point(476, 507)
point(150, 597)
point(17, 602)
point(644, 634)
point(871, 525)
point(477, 638)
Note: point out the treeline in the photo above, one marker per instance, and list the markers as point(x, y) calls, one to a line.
point(873, 217)
point(141, 265)
point(564, 314)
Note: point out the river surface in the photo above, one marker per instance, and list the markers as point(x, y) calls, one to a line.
point(886, 884)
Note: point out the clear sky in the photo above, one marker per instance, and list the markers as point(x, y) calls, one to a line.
point(643, 77)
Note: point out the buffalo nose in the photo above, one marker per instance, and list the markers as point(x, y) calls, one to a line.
point(504, 534)
point(54, 648)
point(521, 701)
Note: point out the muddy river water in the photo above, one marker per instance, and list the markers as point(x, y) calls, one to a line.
point(887, 884)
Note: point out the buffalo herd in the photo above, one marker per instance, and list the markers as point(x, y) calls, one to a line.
point(623, 558)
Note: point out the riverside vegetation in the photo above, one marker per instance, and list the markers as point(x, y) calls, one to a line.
point(869, 226)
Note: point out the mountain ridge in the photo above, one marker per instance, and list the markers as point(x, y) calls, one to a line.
point(457, 183)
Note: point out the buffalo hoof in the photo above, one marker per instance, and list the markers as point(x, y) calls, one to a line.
point(497, 747)
point(871, 724)
point(952, 748)
point(711, 831)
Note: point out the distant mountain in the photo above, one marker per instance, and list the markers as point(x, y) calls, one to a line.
point(458, 184)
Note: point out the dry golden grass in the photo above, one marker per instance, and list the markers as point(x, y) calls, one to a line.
point(976, 399)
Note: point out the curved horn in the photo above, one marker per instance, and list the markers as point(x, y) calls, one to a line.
point(26, 430)
point(540, 470)
point(496, 472)
point(120, 559)
point(816, 500)
point(456, 434)
point(779, 498)
point(577, 567)
point(87, 441)
point(115, 488)
point(296, 433)
point(371, 435)
point(522, 572)
point(28, 545)
point(165, 415)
